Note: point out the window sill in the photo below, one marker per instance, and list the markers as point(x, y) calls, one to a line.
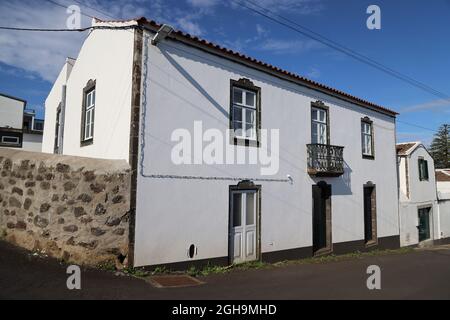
point(244, 142)
point(367, 157)
point(85, 143)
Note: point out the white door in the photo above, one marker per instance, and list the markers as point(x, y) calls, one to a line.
point(243, 233)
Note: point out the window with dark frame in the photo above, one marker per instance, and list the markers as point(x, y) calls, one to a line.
point(423, 170)
point(245, 112)
point(57, 130)
point(88, 114)
point(367, 141)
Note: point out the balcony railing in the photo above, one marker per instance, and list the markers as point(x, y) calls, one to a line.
point(325, 160)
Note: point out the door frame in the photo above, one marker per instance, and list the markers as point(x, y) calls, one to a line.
point(373, 209)
point(328, 220)
point(430, 222)
point(245, 186)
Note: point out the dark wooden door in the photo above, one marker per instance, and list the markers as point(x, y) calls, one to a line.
point(321, 195)
point(368, 228)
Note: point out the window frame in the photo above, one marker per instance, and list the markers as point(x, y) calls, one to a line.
point(10, 143)
point(90, 88)
point(423, 175)
point(319, 105)
point(11, 133)
point(246, 86)
point(367, 121)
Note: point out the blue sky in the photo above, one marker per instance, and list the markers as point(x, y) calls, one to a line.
point(413, 40)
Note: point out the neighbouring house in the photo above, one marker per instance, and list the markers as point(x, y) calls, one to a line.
point(139, 91)
point(418, 202)
point(443, 191)
point(19, 127)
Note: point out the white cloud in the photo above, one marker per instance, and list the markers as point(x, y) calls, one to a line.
point(313, 73)
point(440, 106)
point(39, 53)
point(189, 26)
point(279, 46)
point(203, 3)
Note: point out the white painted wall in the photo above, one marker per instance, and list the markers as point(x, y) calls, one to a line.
point(11, 112)
point(184, 85)
point(32, 142)
point(444, 218)
point(106, 56)
point(421, 194)
point(51, 105)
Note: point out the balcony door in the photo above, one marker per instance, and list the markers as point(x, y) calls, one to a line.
point(319, 126)
point(321, 194)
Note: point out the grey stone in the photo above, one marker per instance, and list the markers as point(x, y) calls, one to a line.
point(30, 184)
point(45, 185)
point(55, 198)
point(79, 211)
point(97, 232)
point(71, 228)
point(27, 203)
point(117, 199)
point(97, 187)
point(119, 232)
point(13, 202)
point(44, 207)
point(62, 168)
point(89, 245)
point(100, 210)
point(112, 222)
point(21, 225)
point(60, 210)
point(85, 198)
point(40, 222)
point(68, 186)
point(17, 190)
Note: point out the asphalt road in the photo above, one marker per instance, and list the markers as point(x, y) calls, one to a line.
point(422, 274)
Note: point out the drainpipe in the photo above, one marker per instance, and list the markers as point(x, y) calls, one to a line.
point(62, 120)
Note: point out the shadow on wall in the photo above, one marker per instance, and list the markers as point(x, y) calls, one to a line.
point(341, 186)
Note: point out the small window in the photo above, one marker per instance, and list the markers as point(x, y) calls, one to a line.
point(38, 125)
point(319, 126)
point(367, 138)
point(423, 169)
point(11, 140)
point(88, 114)
point(89, 118)
point(244, 113)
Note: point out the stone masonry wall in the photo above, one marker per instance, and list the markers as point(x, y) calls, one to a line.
point(73, 208)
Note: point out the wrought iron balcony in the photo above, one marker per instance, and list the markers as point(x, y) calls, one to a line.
point(325, 160)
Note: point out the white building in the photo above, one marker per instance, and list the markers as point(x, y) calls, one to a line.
point(329, 185)
point(443, 191)
point(19, 127)
point(419, 213)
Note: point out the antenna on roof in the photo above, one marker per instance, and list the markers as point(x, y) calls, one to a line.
point(162, 33)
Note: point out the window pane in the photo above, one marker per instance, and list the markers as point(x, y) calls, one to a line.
point(237, 96)
point(93, 97)
point(323, 133)
point(249, 130)
point(250, 99)
point(250, 116)
point(250, 209)
point(369, 145)
point(322, 115)
point(315, 115)
point(237, 206)
point(314, 133)
point(237, 126)
point(237, 113)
